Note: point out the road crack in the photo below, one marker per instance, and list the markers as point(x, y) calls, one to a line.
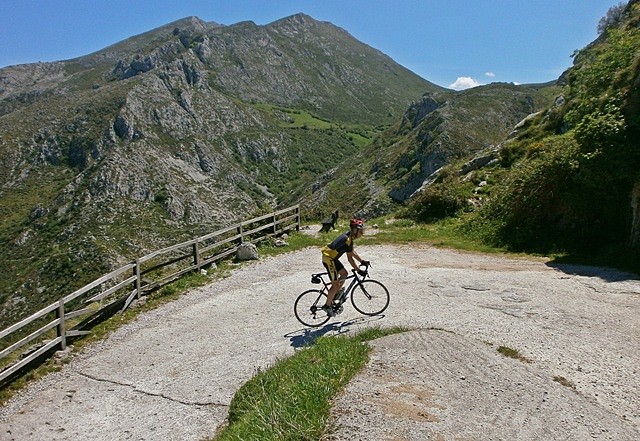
point(152, 394)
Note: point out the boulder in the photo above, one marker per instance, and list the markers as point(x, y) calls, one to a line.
point(247, 251)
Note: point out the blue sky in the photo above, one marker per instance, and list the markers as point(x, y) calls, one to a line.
point(453, 43)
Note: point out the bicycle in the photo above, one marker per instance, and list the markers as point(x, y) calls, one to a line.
point(368, 297)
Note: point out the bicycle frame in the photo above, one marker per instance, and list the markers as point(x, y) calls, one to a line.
point(327, 285)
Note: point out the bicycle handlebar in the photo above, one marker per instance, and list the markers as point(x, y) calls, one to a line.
point(366, 266)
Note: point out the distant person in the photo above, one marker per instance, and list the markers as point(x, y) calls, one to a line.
point(331, 260)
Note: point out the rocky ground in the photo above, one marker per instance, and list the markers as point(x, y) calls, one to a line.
point(171, 374)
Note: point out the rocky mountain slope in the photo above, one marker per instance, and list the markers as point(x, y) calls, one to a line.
point(172, 133)
point(193, 125)
point(439, 129)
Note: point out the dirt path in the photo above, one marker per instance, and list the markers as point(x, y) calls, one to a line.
point(171, 374)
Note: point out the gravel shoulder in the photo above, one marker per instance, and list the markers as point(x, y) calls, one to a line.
point(171, 374)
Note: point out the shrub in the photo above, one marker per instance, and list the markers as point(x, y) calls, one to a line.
point(550, 204)
point(437, 201)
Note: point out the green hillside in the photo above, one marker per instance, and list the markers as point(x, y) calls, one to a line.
point(570, 180)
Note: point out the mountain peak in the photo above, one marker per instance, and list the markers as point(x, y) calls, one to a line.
point(300, 17)
point(191, 22)
point(298, 20)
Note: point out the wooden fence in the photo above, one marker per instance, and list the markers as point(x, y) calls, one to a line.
point(117, 290)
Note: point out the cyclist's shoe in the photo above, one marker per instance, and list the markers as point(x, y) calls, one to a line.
point(329, 310)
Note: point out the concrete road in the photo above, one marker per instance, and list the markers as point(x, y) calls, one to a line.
point(172, 373)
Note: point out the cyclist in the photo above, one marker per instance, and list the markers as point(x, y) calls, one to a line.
point(330, 259)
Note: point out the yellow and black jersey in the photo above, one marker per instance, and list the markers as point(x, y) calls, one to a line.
point(342, 244)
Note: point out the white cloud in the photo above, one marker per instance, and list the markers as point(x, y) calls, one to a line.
point(490, 74)
point(463, 83)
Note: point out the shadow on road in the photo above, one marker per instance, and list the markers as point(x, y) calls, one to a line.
point(606, 274)
point(306, 336)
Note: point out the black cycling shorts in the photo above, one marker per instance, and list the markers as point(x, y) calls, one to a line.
point(333, 267)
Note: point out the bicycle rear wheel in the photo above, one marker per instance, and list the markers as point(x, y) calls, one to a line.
point(370, 297)
point(308, 308)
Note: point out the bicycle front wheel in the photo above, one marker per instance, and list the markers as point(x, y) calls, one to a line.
point(308, 308)
point(370, 297)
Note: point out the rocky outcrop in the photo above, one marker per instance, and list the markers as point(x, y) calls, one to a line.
point(418, 111)
point(247, 251)
point(522, 124)
point(486, 159)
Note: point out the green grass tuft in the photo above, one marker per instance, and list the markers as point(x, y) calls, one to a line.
point(292, 399)
point(513, 353)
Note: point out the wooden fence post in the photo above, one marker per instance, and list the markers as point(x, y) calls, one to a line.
point(138, 281)
point(60, 328)
point(298, 218)
point(240, 233)
point(196, 254)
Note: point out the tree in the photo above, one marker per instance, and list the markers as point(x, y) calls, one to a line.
point(612, 18)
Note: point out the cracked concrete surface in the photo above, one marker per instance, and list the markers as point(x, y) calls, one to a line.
point(172, 373)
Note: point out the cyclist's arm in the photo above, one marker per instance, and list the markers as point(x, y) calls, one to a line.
point(352, 257)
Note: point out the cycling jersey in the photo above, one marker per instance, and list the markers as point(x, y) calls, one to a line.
point(332, 252)
point(342, 244)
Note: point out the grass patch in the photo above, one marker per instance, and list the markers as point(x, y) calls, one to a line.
point(295, 241)
point(376, 332)
point(563, 381)
point(513, 353)
point(292, 399)
point(360, 135)
point(441, 234)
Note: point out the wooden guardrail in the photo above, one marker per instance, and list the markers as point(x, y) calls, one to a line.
point(134, 279)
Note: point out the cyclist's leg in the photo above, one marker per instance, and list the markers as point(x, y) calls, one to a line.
point(337, 274)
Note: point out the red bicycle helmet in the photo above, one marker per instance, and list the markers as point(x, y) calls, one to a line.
point(357, 223)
